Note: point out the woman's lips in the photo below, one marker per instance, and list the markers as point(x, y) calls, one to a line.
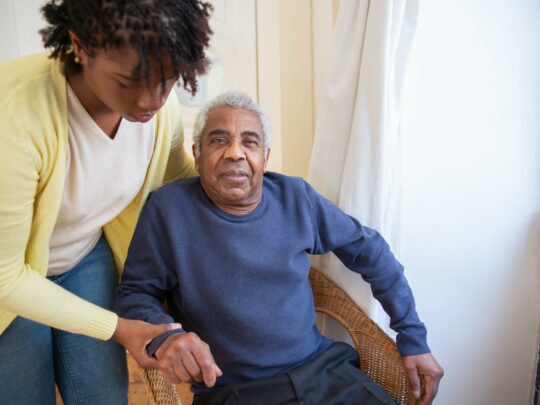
point(143, 117)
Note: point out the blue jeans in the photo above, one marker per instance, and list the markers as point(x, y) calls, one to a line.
point(87, 371)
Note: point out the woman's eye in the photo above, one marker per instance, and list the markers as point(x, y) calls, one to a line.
point(130, 85)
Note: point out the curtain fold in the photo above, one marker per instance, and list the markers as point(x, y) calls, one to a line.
point(357, 152)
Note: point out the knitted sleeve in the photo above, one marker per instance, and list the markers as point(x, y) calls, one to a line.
point(23, 291)
point(364, 251)
point(148, 272)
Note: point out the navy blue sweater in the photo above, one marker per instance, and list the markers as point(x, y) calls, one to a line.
point(241, 282)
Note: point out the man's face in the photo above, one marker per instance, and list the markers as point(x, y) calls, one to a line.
point(232, 161)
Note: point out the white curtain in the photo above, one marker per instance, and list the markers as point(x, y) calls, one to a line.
point(356, 157)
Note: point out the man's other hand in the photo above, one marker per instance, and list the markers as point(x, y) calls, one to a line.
point(423, 365)
point(184, 357)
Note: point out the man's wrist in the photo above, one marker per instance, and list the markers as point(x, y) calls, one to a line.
point(155, 343)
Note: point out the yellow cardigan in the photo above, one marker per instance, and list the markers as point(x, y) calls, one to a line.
point(33, 143)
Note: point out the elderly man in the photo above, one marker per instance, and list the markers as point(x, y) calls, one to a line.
point(229, 250)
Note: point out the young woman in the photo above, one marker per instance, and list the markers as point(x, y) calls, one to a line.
point(87, 133)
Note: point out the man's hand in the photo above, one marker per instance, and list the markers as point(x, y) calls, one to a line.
point(135, 335)
point(423, 365)
point(184, 357)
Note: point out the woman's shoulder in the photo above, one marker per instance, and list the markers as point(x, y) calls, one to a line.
point(170, 111)
point(32, 85)
point(169, 120)
point(28, 74)
point(33, 99)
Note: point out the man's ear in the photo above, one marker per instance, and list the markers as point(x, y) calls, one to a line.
point(266, 159)
point(195, 156)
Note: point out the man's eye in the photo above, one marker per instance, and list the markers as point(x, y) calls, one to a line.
point(122, 85)
point(217, 140)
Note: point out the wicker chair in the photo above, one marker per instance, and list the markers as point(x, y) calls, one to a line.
point(379, 357)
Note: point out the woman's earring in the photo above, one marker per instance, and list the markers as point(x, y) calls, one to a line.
point(77, 59)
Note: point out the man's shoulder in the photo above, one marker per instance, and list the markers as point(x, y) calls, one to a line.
point(274, 179)
point(177, 190)
point(290, 187)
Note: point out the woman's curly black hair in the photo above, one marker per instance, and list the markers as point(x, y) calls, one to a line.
point(178, 27)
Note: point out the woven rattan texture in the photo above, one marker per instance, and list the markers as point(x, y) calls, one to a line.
point(379, 357)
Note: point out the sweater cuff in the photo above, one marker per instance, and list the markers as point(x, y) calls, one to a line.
point(102, 324)
point(412, 344)
point(158, 341)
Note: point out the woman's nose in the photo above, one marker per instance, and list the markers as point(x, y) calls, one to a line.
point(151, 100)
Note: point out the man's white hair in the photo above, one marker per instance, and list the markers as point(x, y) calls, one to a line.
point(233, 99)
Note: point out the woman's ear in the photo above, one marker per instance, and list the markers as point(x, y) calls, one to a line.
point(78, 50)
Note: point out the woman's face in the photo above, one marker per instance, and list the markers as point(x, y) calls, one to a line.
point(111, 77)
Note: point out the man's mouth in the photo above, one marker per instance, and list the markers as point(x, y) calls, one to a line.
point(234, 175)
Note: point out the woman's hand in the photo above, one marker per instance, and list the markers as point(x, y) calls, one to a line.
point(135, 336)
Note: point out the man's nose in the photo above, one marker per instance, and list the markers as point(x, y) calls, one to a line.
point(234, 150)
point(151, 99)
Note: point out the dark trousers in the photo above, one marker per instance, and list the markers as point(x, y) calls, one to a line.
point(333, 378)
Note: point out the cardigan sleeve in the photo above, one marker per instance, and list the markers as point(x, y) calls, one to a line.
point(23, 290)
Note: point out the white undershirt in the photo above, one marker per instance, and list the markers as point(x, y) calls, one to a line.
point(103, 177)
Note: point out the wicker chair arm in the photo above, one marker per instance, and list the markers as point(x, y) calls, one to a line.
point(379, 357)
point(160, 391)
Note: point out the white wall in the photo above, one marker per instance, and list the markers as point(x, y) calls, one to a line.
point(471, 130)
point(19, 25)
